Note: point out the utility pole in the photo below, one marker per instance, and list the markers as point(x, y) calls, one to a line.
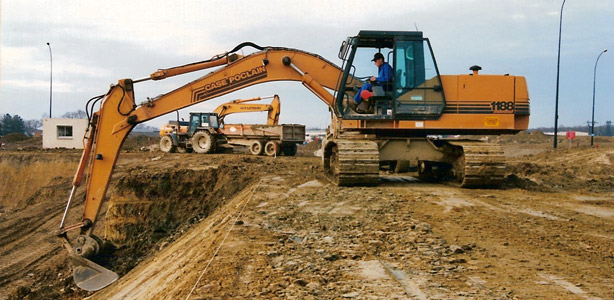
point(50, 80)
point(558, 64)
point(594, 80)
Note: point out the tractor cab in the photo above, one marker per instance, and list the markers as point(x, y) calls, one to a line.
point(414, 91)
point(201, 120)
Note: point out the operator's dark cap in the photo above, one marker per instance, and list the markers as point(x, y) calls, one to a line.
point(377, 56)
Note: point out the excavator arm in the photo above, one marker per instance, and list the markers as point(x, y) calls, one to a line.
point(119, 114)
point(239, 106)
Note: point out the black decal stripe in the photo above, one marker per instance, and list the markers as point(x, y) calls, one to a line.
point(199, 95)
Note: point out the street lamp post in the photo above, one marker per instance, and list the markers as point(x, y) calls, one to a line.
point(594, 80)
point(558, 63)
point(50, 80)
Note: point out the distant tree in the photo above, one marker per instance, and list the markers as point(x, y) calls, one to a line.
point(11, 124)
point(32, 125)
point(79, 114)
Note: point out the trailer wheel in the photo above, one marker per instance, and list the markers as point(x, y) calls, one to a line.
point(289, 149)
point(166, 144)
point(202, 142)
point(256, 148)
point(272, 148)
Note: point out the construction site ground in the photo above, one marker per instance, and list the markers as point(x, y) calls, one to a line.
point(237, 226)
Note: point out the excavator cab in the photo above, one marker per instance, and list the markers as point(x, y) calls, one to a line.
point(415, 93)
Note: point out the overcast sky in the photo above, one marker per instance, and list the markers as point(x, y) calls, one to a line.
point(96, 43)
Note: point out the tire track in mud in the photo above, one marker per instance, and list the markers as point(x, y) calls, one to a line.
point(301, 238)
point(172, 273)
point(29, 246)
point(538, 233)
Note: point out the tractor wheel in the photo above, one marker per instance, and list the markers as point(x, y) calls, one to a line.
point(166, 144)
point(203, 142)
point(272, 148)
point(256, 148)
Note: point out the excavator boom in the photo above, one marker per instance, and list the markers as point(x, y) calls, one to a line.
point(118, 114)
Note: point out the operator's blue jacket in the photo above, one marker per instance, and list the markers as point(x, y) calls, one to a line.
point(384, 77)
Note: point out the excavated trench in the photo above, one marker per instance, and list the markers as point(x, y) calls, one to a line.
point(149, 208)
point(153, 199)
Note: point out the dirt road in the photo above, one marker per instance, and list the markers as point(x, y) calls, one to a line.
point(274, 228)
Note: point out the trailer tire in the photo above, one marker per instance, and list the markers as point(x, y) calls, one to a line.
point(272, 148)
point(166, 145)
point(256, 148)
point(203, 142)
point(289, 149)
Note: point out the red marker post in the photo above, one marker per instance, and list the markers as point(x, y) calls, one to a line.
point(571, 135)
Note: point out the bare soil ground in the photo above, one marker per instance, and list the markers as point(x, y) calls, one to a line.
point(230, 226)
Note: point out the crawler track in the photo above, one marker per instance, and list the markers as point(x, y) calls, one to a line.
point(481, 164)
point(355, 162)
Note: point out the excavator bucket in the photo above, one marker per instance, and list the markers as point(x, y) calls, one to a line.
point(89, 275)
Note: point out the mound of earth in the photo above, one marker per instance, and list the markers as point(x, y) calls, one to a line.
point(227, 226)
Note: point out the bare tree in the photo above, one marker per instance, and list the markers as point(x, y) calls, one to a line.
point(79, 114)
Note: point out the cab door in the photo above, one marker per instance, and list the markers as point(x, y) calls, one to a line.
point(194, 123)
point(418, 91)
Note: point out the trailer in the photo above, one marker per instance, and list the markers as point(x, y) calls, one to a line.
point(205, 134)
point(268, 139)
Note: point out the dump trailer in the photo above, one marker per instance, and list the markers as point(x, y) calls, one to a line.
point(265, 139)
point(205, 134)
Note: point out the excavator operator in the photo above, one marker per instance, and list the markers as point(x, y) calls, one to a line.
point(384, 79)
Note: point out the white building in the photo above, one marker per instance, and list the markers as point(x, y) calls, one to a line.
point(64, 133)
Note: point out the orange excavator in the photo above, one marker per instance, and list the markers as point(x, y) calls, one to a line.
point(405, 118)
point(240, 106)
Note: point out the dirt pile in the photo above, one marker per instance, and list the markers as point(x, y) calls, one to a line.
point(15, 141)
point(580, 169)
point(241, 226)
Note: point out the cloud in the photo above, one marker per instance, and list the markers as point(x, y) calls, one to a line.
point(97, 43)
point(37, 85)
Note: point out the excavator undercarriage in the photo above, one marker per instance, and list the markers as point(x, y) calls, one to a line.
point(351, 161)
